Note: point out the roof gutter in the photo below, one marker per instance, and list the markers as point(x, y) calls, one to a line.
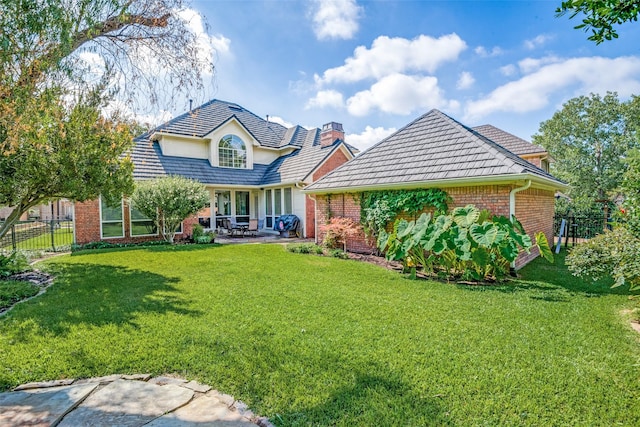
point(512, 209)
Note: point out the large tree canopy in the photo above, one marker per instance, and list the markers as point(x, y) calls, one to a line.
point(601, 16)
point(588, 138)
point(61, 63)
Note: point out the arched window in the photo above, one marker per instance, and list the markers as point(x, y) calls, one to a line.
point(232, 153)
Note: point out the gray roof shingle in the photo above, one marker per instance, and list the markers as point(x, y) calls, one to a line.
point(432, 147)
point(204, 119)
point(509, 141)
point(149, 162)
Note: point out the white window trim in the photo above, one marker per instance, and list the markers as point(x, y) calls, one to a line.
point(131, 226)
point(246, 150)
point(101, 221)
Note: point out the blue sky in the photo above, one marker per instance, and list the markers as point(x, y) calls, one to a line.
point(376, 66)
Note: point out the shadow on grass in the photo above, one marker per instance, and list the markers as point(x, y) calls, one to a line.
point(150, 248)
point(554, 282)
point(371, 399)
point(98, 295)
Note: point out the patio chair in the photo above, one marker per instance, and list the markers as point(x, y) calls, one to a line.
point(253, 227)
point(234, 228)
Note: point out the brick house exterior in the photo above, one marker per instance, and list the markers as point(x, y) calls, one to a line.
point(435, 151)
point(252, 168)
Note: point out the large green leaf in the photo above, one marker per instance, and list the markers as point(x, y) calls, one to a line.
point(509, 251)
point(487, 234)
point(543, 246)
point(466, 216)
point(481, 257)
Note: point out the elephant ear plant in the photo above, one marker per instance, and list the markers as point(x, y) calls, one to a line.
point(466, 244)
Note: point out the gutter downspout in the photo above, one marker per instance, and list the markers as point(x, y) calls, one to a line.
point(512, 213)
point(315, 218)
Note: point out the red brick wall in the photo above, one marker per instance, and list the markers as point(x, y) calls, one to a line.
point(534, 209)
point(87, 225)
point(336, 159)
point(87, 221)
point(341, 205)
point(310, 217)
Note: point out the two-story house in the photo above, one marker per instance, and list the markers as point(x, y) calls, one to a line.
point(252, 167)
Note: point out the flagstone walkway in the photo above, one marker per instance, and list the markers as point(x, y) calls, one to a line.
point(123, 400)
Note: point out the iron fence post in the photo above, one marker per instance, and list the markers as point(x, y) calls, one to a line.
point(53, 240)
point(13, 237)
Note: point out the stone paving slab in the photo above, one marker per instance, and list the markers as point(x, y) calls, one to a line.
point(127, 403)
point(196, 386)
point(203, 411)
point(41, 407)
point(43, 384)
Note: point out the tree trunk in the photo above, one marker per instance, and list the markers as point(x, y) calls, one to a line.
point(13, 217)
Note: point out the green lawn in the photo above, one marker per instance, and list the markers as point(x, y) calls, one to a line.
point(310, 340)
point(63, 238)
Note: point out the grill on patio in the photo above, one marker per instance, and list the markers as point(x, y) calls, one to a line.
point(287, 225)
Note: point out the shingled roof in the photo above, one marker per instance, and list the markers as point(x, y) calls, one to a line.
point(509, 141)
point(149, 162)
point(208, 117)
point(432, 149)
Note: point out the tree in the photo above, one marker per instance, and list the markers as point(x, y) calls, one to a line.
point(601, 16)
point(169, 201)
point(588, 139)
point(62, 62)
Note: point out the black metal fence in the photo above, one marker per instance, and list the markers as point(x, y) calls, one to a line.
point(582, 227)
point(51, 235)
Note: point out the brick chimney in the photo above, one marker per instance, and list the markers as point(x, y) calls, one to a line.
point(330, 132)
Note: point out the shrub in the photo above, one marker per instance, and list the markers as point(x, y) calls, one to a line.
point(305, 248)
point(612, 253)
point(15, 262)
point(467, 243)
point(197, 231)
point(339, 253)
point(338, 231)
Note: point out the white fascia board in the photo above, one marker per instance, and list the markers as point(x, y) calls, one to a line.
point(540, 182)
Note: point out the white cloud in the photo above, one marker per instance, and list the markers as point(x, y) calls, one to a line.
point(466, 80)
point(508, 70)
point(208, 46)
point(537, 41)
point(368, 137)
point(280, 121)
point(570, 77)
point(483, 52)
point(529, 65)
point(399, 94)
point(395, 55)
point(326, 98)
point(335, 19)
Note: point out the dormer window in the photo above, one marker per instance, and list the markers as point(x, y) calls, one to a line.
point(232, 152)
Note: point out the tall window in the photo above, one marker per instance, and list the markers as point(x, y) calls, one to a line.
point(141, 225)
point(232, 153)
point(242, 206)
point(269, 204)
point(111, 223)
point(288, 205)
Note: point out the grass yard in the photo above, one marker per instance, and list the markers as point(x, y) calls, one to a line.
point(307, 340)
